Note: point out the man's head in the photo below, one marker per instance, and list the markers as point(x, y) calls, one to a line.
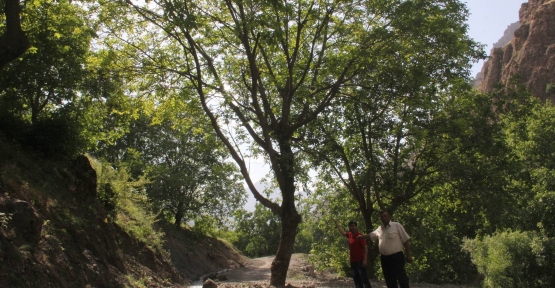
point(385, 216)
point(353, 226)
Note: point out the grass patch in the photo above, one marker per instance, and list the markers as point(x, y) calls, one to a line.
point(136, 220)
point(137, 283)
point(127, 206)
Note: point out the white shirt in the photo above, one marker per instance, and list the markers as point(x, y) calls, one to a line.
point(391, 238)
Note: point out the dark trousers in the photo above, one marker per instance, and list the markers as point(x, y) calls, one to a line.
point(359, 275)
point(393, 267)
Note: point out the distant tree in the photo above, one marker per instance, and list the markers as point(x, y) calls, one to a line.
point(257, 231)
point(187, 167)
point(189, 172)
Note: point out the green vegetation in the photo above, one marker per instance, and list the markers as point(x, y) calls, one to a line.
point(514, 259)
point(355, 107)
point(550, 88)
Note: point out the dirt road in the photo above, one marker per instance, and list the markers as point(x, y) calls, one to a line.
point(256, 274)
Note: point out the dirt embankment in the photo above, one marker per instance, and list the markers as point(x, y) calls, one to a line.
point(54, 232)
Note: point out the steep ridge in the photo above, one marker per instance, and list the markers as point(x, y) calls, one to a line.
point(530, 55)
point(54, 232)
point(504, 40)
point(508, 35)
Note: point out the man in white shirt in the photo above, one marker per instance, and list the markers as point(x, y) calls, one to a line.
point(392, 238)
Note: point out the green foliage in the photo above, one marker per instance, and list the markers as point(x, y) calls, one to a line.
point(107, 196)
point(134, 216)
point(48, 75)
point(57, 137)
point(550, 88)
point(475, 160)
point(330, 249)
point(437, 227)
point(54, 136)
point(127, 203)
point(110, 183)
point(305, 236)
point(189, 177)
point(43, 92)
point(514, 259)
point(257, 233)
point(107, 110)
point(530, 134)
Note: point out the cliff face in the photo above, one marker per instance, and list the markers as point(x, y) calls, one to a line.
point(507, 35)
point(530, 54)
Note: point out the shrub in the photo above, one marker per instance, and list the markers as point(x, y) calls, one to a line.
point(126, 204)
point(514, 259)
point(56, 137)
point(550, 88)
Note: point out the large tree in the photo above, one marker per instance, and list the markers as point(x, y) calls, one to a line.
point(269, 68)
point(49, 75)
point(383, 143)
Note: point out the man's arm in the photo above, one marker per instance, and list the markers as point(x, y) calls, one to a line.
point(407, 250)
point(339, 228)
point(370, 236)
point(364, 236)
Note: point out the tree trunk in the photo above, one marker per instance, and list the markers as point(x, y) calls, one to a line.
point(179, 214)
point(13, 43)
point(289, 222)
point(372, 248)
point(289, 216)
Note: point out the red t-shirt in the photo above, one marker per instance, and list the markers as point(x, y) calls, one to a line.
point(356, 247)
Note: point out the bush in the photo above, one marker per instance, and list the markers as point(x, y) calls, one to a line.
point(514, 259)
point(126, 204)
point(15, 128)
point(108, 197)
point(57, 136)
point(550, 88)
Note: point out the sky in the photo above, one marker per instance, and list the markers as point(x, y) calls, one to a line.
point(488, 20)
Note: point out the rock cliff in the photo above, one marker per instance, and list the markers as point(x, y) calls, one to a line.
point(504, 40)
point(530, 55)
point(507, 35)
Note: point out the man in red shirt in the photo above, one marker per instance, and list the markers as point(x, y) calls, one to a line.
point(358, 254)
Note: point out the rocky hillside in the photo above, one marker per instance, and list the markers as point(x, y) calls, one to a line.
point(508, 35)
point(54, 232)
point(530, 54)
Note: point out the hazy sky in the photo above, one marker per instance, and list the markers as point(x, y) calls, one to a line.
point(488, 20)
